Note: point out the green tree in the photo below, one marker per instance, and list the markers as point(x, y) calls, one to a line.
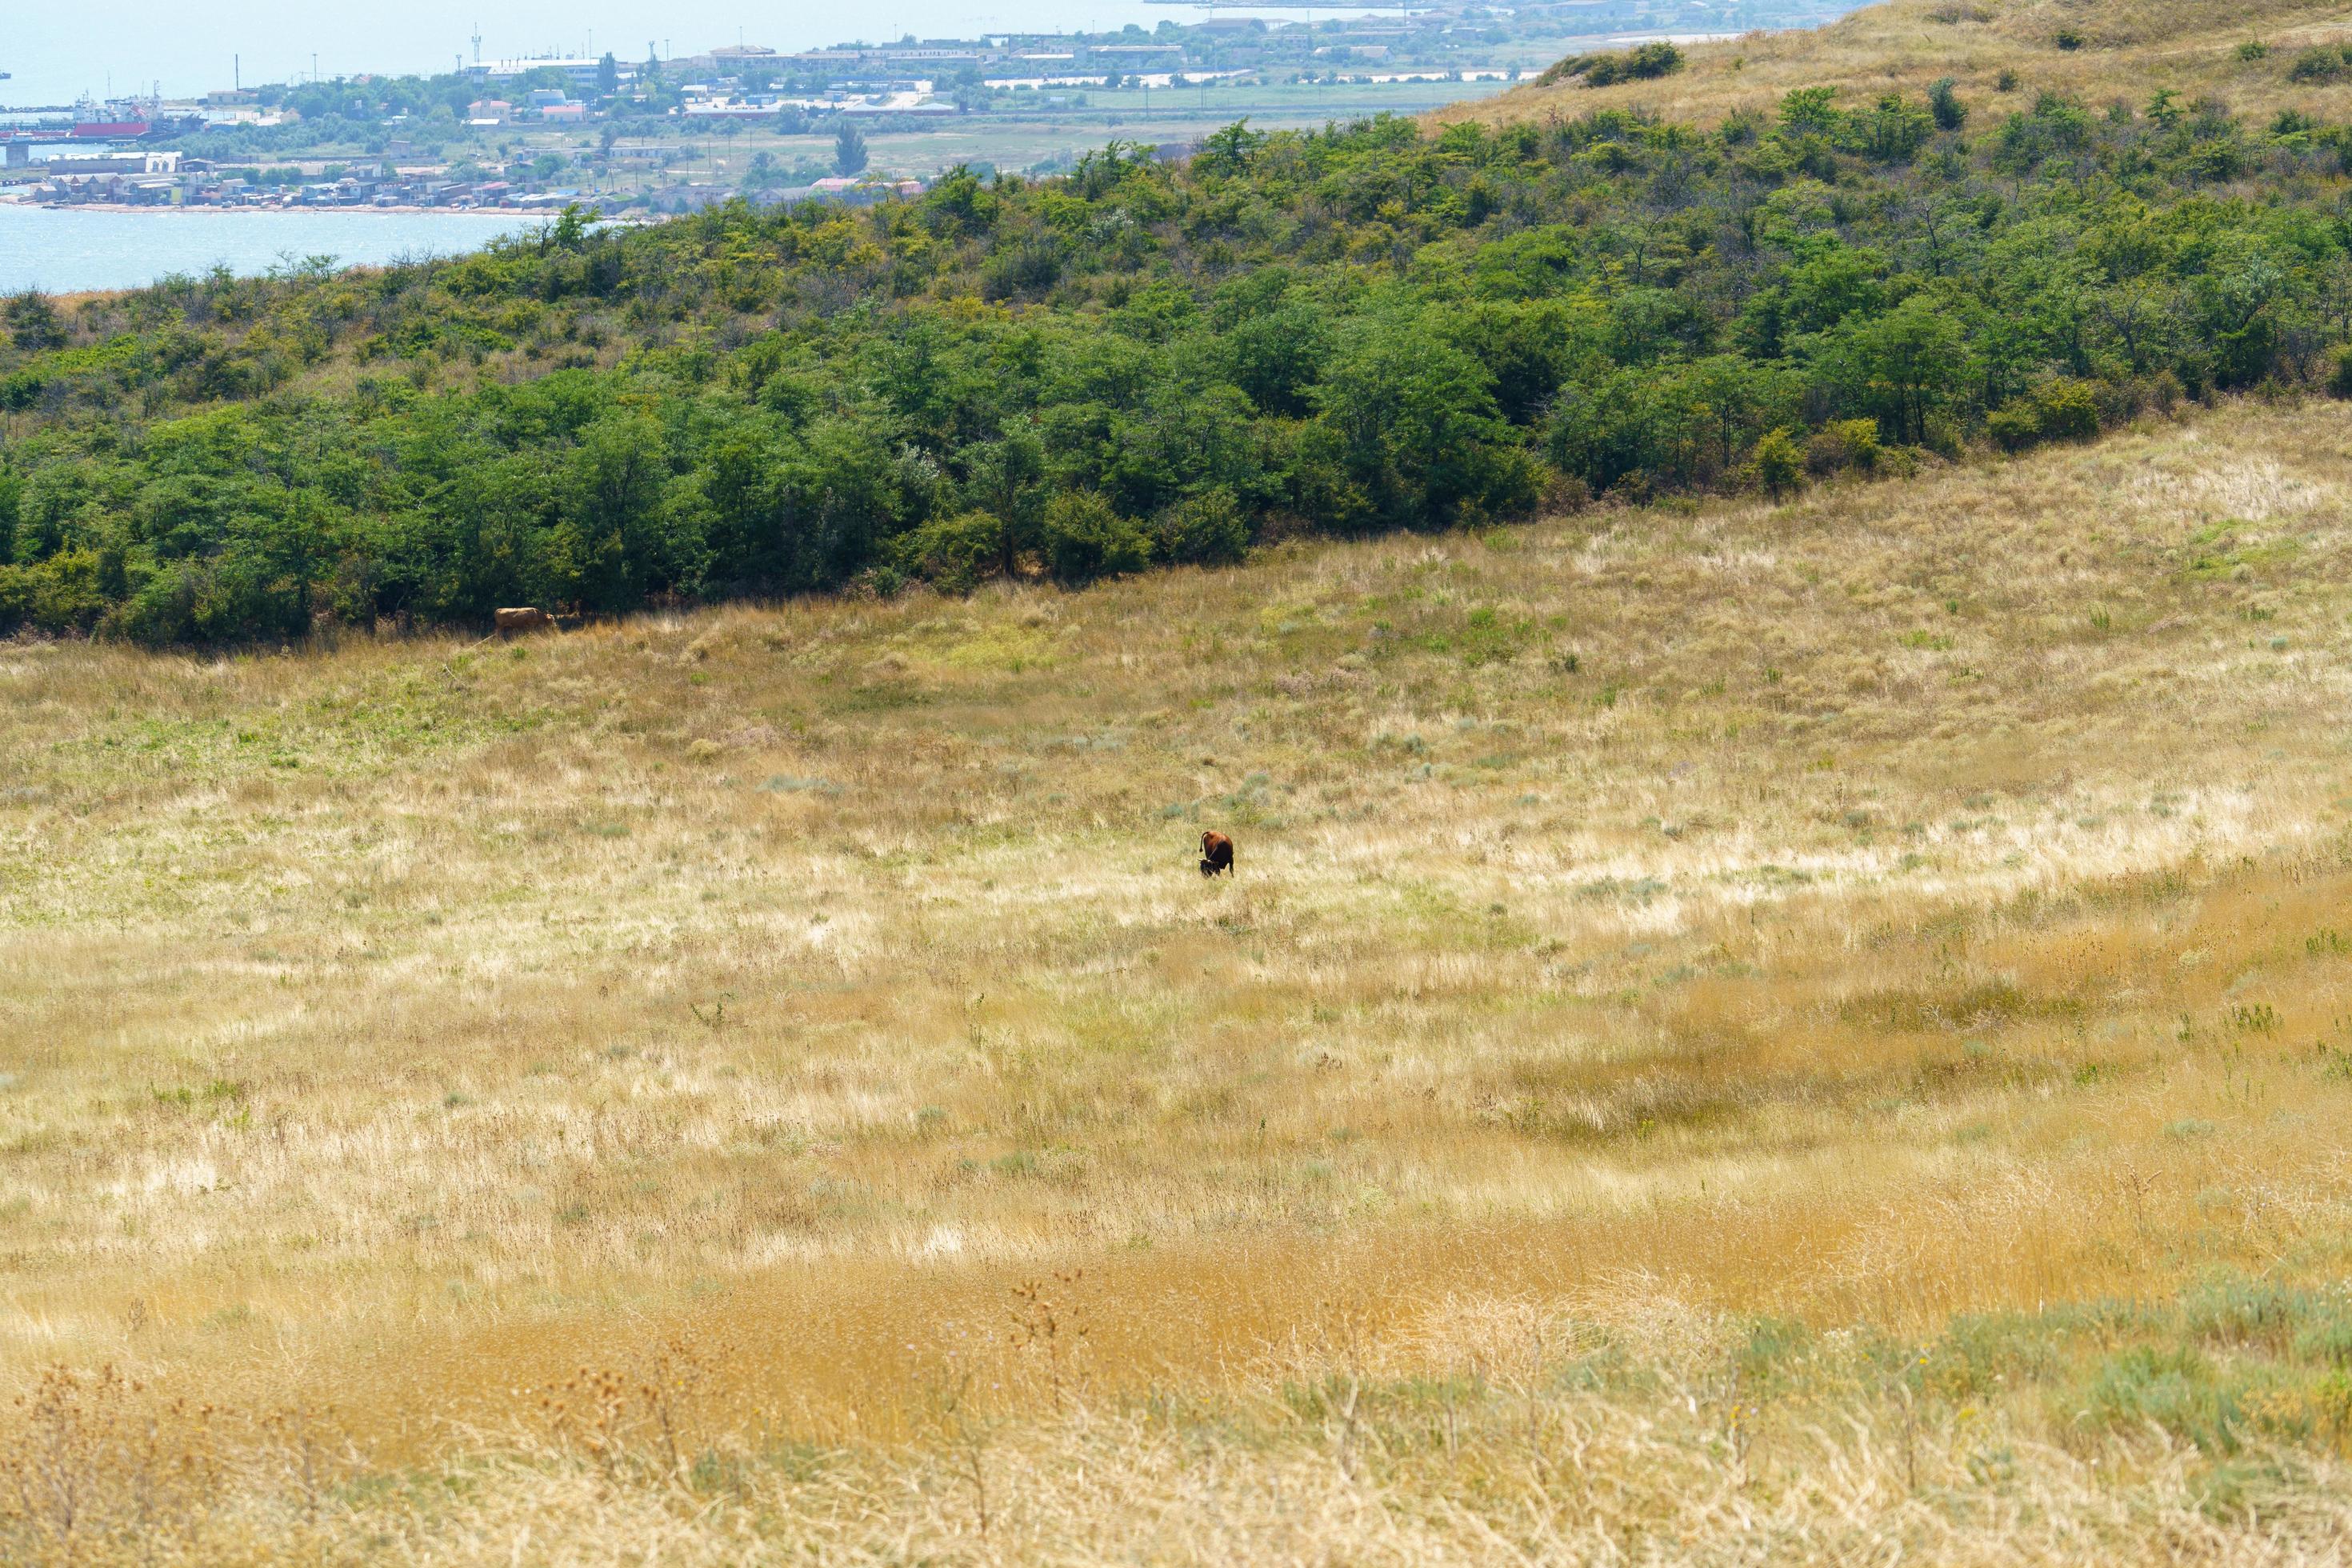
point(1206, 530)
point(1417, 425)
point(1893, 129)
point(1084, 538)
point(1911, 358)
point(1779, 463)
point(34, 323)
point(611, 546)
point(1809, 112)
point(1005, 475)
point(848, 151)
point(1944, 103)
point(1229, 151)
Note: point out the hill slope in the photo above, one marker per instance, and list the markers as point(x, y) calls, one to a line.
point(2097, 53)
point(1825, 1020)
point(1339, 332)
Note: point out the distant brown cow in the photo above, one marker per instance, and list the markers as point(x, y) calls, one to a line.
point(509, 622)
point(1216, 853)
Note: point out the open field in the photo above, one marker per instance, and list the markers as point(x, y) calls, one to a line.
point(1015, 142)
point(1741, 1033)
point(2097, 54)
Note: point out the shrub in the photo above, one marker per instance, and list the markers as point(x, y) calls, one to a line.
point(1843, 443)
point(2068, 39)
point(953, 553)
point(2253, 49)
point(2005, 82)
point(1945, 104)
point(32, 321)
point(2339, 371)
point(2059, 411)
point(2069, 411)
point(1026, 271)
point(1779, 463)
point(64, 593)
point(1860, 438)
point(1084, 538)
point(1644, 63)
point(2316, 65)
point(2014, 426)
point(2174, 1388)
point(1207, 530)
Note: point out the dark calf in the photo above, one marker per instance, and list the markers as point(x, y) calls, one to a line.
point(1216, 854)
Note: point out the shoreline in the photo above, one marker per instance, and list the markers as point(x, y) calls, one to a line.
point(550, 215)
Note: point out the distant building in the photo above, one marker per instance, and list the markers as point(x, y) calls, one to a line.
point(116, 164)
point(583, 71)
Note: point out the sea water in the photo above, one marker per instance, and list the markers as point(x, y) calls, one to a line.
point(66, 249)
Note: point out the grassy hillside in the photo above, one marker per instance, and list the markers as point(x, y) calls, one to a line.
point(2245, 57)
point(1741, 1031)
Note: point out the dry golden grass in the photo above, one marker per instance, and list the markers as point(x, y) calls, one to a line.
point(770, 1083)
point(2129, 50)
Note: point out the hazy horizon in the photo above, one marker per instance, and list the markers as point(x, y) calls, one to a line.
point(54, 55)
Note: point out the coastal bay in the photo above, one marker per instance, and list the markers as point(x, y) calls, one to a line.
point(71, 250)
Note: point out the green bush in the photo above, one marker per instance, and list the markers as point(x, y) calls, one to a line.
point(2316, 65)
point(1779, 463)
point(1860, 438)
point(2339, 371)
point(1084, 538)
point(2016, 425)
point(1944, 103)
point(2068, 411)
point(1208, 530)
point(1644, 63)
point(2172, 1387)
point(1843, 443)
point(65, 593)
point(32, 321)
point(953, 553)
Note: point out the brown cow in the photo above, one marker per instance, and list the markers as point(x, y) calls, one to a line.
point(509, 622)
point(1216, 853)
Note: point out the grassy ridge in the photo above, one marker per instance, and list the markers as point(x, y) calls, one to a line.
point(1822, 1020)
point(2243, 58)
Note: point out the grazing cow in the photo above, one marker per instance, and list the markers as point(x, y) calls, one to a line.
point(1216, 853)
point(509, 622)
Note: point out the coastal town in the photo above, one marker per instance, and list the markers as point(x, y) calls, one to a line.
point(650, 131)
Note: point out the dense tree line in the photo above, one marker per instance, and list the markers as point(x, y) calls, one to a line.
point(1359, 329)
